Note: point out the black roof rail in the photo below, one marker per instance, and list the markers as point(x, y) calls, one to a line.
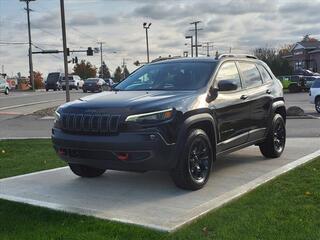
point(235, 55)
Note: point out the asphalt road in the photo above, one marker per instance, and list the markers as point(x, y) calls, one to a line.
point(18, 103)
point(16, 121)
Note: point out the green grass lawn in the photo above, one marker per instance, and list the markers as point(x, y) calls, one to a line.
point(285, 208)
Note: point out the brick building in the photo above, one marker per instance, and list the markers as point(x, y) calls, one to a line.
point(305, 55)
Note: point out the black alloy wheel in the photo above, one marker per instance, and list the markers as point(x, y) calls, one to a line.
point(199, 160)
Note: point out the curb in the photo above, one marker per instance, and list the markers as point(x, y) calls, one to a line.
point(22, 138)
point(303, 117)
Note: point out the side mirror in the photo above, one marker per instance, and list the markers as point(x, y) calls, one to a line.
point(226, 85)
point(212, 95)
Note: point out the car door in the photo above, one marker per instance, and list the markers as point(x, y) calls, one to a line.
point(230, 109)
point(259, 98)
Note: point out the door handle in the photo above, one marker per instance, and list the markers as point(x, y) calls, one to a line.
point(243, 97)
point(268, 91)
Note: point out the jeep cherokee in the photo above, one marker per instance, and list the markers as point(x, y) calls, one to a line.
point(175, 115)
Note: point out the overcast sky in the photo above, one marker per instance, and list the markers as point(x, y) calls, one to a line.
point(240, 24)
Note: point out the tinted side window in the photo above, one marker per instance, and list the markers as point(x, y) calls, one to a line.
point(264, 74)
point(228, 71)
point(250, 74)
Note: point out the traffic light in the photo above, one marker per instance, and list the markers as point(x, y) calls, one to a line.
point(68, 52)
point(89, 51)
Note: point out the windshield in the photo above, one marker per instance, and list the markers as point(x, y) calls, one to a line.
point(169, 76)
point(53, 77)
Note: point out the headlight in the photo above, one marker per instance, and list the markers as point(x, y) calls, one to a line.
point(56, 117)
point(152, 117)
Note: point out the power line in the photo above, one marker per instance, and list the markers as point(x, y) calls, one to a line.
point(13, 43)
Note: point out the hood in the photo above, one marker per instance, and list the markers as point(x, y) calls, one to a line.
point(125, 102)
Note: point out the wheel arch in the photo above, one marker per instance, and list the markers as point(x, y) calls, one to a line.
point(279, 108)
point(202, 121)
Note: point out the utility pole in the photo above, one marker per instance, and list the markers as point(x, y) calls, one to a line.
point(191, 37)
point(65, 54)
point(208, 45)
point(30, 43)
point(146, 26)
point(101, 53)
point(196, 35)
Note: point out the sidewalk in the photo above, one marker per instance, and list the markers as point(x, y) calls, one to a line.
point(151, 199)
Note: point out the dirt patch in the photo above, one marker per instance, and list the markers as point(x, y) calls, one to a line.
point(45, 112)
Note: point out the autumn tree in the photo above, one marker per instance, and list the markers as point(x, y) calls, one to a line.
point(117, 74)
point(104, 71)
point(275, 59)
point(85, 70)
point(38, 80)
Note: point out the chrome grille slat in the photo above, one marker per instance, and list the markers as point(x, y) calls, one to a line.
point(96, 123)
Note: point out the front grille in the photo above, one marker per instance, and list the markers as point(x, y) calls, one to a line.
point(91, 124)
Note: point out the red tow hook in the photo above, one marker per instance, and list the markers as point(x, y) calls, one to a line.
point(123, 156)
point(62, 151)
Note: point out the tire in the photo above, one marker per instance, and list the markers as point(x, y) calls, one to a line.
point(47, 89)
point(194, 165)
point(274, 144)
point(317, 104)
point(55, 89)
point(84, 90)
point(86, 171)
point(6, 91)
point(63, 88)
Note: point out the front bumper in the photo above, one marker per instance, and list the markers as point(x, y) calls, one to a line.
point(134, 151)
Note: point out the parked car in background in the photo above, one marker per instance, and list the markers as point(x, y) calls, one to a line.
point(4, 86)
point(53, 81)
point(175, 115)
point(94, 85)
point(314, 94)
point(74, 82)
point(81, 82)
point(309, 80)
point(109, 82)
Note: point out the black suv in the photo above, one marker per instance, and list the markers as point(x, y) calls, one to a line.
point(175, 115)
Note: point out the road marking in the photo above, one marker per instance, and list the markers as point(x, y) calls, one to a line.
point(29, 104)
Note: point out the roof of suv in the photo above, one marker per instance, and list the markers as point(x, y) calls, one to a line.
point(208, 59)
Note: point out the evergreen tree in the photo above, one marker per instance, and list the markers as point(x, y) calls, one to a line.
point(125, 73)
point(104, 71)
point(117, 74)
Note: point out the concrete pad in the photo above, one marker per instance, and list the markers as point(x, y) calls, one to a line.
point(151, 199)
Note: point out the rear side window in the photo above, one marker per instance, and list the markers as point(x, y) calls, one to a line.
point(264, 74)
point(228, 71)
point(316, 84)
point(250, 74)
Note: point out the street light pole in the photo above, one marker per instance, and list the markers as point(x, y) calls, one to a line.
point(30, 43)
point(65, 54)
point(146, 26)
